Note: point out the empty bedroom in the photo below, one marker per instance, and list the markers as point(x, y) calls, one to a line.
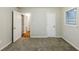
point(39, 29)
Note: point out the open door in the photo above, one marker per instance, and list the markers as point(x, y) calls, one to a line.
point(17, 25)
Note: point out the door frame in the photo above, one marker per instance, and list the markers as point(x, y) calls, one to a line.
point(12, 27)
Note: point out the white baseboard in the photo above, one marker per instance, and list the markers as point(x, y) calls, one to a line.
point(5, 45)
point(72, 44)
point(58, 36)
point(39, 37)
point(44, 37)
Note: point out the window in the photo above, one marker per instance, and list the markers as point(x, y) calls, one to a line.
point(71, 16)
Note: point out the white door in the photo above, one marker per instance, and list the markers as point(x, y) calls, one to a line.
point(17, 25)
point(51, 23)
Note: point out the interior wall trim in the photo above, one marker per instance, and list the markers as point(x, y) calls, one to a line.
point(71, 43)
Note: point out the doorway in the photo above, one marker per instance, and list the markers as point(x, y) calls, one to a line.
point(26, 25)
point(51, 24)
point(20, 25)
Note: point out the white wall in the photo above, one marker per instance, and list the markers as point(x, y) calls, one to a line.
point(38, 20)
point(5, 26)
point(70, 33)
